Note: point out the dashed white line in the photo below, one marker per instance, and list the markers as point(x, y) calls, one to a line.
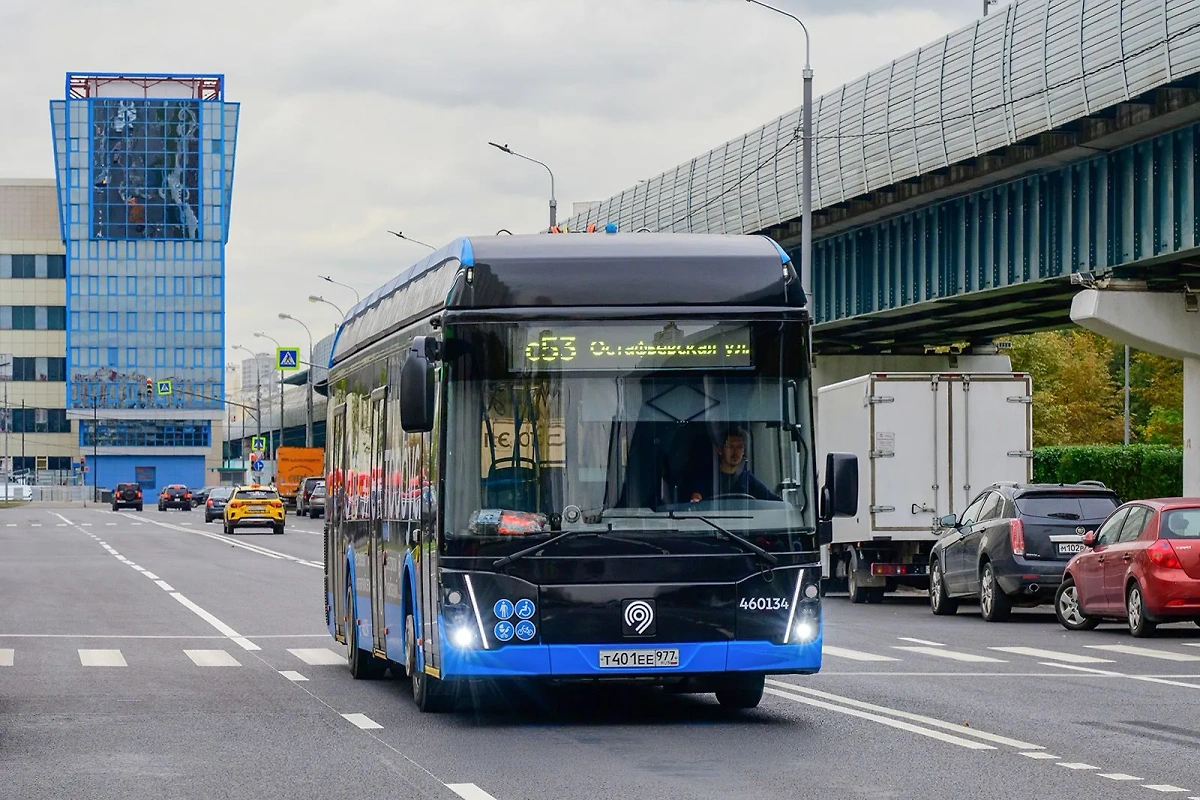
point(362, 721)
point(1148, 652)
point(1111, 674)
point(1076, 765)
point(6, 656)
point(1053, 655)
point(292, 675)
point(113, 524)
point(234, 636)
point(920, 641)
point(1040, 756)
point(1119, 776)
point(854, 655)
point(1165, 788)
point(102, 658)
point(212, 658)
point(139, 569)
point(166, 587)
point(317, 656)
point(953, 654)
point(469, 791)
point(150, 575)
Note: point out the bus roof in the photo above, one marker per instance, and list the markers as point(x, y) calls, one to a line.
point(551, 270)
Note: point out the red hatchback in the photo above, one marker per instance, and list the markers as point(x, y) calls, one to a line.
point(1141, 565)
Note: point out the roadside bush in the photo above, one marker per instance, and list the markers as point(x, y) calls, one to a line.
point(1135, 472)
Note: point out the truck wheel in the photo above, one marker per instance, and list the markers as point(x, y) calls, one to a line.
point(940, 602)
point(993, 602)
point(858, 594)
point(742, 691)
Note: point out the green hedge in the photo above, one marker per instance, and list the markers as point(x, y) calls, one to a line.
point(1135, 472)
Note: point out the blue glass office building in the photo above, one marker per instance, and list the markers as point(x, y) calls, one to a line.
point(144, 167)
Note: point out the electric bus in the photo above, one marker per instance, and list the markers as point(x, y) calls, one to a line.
point(579, 457)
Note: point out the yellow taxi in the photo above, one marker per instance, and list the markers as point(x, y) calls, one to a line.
point(254, 506)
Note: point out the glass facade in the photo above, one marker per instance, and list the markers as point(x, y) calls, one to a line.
point(144, 169)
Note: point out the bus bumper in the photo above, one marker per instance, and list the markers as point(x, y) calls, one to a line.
point(581, 661)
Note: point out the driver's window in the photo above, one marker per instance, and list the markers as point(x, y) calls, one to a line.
point(1111, 528)
point(971, 515)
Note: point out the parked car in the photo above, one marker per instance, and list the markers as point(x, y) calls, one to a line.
point(254, 506)
point(316, 503)
point(214, 506)
point(175, 496)
point(1142, 565)
point(1010, 545)
point(304, 494)
point(127, 495)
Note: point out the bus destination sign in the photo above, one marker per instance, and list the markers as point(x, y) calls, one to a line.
point(567, 347)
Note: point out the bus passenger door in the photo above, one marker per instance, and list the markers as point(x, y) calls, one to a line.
point(378, 483)
point(335, 542)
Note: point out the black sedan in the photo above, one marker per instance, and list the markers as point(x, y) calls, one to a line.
point(214, 506)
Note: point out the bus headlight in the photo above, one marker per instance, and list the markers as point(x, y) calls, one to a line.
point(462, 637)
point(804, 631)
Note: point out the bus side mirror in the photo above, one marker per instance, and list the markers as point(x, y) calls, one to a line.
point(417, 385)
point(839, 495)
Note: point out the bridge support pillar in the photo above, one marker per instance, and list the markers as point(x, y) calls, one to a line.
point(1158, 322)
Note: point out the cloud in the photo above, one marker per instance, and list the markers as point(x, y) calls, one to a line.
point(364, 115)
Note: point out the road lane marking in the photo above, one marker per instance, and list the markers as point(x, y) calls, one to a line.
point(1053, 655)
point(6, 656)
point(1111, 674)
point(139, 569)
point(212, 658)
point(362, 721)
point(854, 655)
point(953, 655)
point(895, 712)
point(882, 720)
point(292, 675)
point(1148, 652)
point(469, 791)
point(150, 575)
point(1119, 776)
point(166, 587)
point(1165, 788)
point(1076, 765)
point(113, 524)
point(244, 545)
point(317, 656)
point(102, 658)
point(234, 636)
point(1040, 756)
point(920, 641)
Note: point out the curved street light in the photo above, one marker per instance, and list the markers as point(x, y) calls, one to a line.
point(279, 441)
point(316, 298)
point(503, 148)
point(400, 235)
point(308, 421)
point(327, 278)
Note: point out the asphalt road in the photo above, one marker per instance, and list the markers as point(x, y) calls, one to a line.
point(148, 655)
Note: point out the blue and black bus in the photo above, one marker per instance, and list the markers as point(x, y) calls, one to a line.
point(579, 457)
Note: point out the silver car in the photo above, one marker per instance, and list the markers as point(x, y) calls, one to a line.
point(316, 502)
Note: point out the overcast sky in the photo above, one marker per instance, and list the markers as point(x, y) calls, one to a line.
point(364, 115)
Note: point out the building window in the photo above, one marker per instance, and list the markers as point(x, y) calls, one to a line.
point(56, 370)
point(216, 287)
point(93, 320)
point(144, 433)
point(180, 284)
point(75, 320)
point(160, 356)
point(93, 284)
point(160, 320)
point(180, 319)
point(93, 356)
point(131, 284)
point(24, 318)
point(131, 320)
point(179, 354)
point(217, 354)
point(198, 286)
point(56, 267)
point(74, 285)
point(198, 357)
point(158, 141)
point(75, 362)
point(160, 286)
point(112, 284)
point(197, 321)
point(216, 321)
point(131, 356)
point(24, 267)
point(113, 357)
point(114, 321)
point(56, 318)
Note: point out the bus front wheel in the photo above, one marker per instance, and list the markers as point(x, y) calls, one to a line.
point(741, 691)
point(429, 693)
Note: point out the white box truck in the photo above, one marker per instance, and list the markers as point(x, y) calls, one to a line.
point(927, 443)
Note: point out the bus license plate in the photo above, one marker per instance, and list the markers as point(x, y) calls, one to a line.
point(627, 659)
point(1070, 547)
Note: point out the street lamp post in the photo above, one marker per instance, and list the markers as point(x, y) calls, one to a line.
point(316, 298)
point(553, 203)
point(806, 265)
point(308, 421)
point(400, 235)
point(95, 449)
point(279, 442)
point(257, 385)
point(329, 279)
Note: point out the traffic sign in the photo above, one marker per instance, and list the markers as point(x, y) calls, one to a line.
point(258, 443)
point(163, 388)
point(287, 359)
point(257, 466)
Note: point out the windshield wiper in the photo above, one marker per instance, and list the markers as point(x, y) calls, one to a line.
point(511, 557)
point(733, 537)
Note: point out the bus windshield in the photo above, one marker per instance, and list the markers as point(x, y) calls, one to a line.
point(646, 429)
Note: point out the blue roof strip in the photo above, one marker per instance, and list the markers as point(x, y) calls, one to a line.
point(783, 254)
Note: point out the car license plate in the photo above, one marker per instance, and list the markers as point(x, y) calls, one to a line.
point(1065, 548)
point(627, 659)
point(257, 509)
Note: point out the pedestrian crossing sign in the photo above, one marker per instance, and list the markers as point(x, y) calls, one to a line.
point(258, 443)
point(287, 358)
point(162, 388)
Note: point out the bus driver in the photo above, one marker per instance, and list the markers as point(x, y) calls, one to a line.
point(733, 476)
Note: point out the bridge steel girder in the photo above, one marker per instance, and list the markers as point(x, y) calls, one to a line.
point(1127, 207)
